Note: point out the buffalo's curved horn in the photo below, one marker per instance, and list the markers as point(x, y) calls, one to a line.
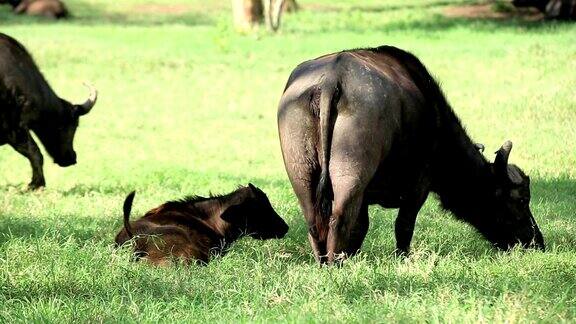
point(501, 161)
point(85, 108)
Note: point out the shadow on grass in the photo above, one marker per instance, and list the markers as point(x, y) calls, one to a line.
point(559, 196)
point(475, 15)
point(384, 7)
point(440, 23)
point(83, 228)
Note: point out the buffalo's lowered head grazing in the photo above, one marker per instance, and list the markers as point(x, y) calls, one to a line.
point(28, 103)
point(510, 205)
point(492, 197)
point(58, 137)
point(195, 228)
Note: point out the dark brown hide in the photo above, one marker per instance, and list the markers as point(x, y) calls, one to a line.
point(195, 228)
point(371, 126)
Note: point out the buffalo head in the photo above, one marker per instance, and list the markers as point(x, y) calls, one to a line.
point(57, 134)
point(513, 223)
point(256, 216)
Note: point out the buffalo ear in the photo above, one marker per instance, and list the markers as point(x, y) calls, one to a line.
point(232, 214)
point(252, 187)
point(501, 161)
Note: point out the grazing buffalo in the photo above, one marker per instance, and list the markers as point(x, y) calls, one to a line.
point(371, 126)
point(27, 103)
point(195, 228)
point(552, 9)
point(46, 8)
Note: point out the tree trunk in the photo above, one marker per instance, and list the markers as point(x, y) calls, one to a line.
point(247, 13)
point(273, 11)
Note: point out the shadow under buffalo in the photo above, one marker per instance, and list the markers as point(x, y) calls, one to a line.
point(437, 231)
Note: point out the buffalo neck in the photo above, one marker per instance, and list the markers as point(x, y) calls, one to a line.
point(459, 173)
point(461, 176)
point(52, 113)
point(211, 211)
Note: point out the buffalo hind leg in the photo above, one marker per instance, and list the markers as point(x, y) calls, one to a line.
point(318, 245)
point(297, 128)
point(404, 226)
point(344, 217)
point(358, 232)
point(24, 144)
point(354, 158)
point(303, 188)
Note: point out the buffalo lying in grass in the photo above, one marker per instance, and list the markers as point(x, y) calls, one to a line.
point(28, 103)
point(46, 8)
point(371, 126)
point(195, 228)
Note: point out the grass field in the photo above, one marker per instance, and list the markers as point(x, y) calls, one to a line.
point(187, 106)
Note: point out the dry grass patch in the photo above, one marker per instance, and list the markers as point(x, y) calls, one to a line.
point(492, 11)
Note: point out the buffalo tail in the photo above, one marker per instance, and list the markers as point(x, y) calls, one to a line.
point(328, 99)
point(127, 209)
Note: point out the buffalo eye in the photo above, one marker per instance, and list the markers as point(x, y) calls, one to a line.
point(524, 201)
point(498, 193)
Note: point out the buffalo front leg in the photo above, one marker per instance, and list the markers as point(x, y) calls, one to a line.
point(24, 144)
point(404, 226)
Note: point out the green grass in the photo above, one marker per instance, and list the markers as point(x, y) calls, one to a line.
point(188, 106)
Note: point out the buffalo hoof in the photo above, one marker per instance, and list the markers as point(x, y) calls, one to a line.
point(36, 185)
point(400, 253)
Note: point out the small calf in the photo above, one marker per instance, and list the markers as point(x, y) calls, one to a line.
point(195, 228)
